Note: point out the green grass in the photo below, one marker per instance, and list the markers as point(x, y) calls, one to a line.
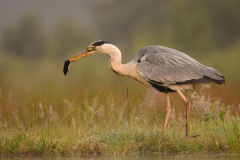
point(44, 112)
point(124, 138)
point(106, 123)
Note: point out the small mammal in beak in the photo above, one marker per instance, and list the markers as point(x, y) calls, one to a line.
point(66, 67)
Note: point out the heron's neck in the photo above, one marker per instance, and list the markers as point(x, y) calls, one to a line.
point(115, 59)
point(128, 70)
point(115, 54)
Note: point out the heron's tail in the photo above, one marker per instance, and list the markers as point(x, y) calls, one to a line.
point(216, 76)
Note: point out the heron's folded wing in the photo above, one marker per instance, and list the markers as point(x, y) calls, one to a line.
point(176, 68)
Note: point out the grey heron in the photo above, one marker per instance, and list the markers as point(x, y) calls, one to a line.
point(161, 68)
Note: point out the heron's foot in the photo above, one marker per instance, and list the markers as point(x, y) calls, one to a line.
point(163, 130)
point(192, 136)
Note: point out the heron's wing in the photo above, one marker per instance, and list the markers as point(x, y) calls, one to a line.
point(168, 66)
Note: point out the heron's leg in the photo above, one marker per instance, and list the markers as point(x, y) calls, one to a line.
point(187, 109)
point(168, 113)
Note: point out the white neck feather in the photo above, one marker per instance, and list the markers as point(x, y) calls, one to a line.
point(114, 53)
point(128, 70)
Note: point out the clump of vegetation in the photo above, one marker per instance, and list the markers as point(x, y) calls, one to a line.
point(104, 124)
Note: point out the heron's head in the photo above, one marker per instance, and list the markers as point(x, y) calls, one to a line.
point(95, 47)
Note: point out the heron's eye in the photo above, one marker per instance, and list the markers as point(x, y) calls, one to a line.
point(92, 48)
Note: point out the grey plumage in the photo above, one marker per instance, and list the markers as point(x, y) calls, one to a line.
point(168, 67)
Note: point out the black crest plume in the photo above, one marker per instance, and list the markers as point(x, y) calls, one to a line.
point(98, 43)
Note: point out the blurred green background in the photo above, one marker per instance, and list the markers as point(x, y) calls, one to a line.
point(36, 37)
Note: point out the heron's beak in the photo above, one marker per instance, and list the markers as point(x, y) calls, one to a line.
point(84, 53)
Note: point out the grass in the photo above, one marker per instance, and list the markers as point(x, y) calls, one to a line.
point(106, 123)
point(43, 112)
